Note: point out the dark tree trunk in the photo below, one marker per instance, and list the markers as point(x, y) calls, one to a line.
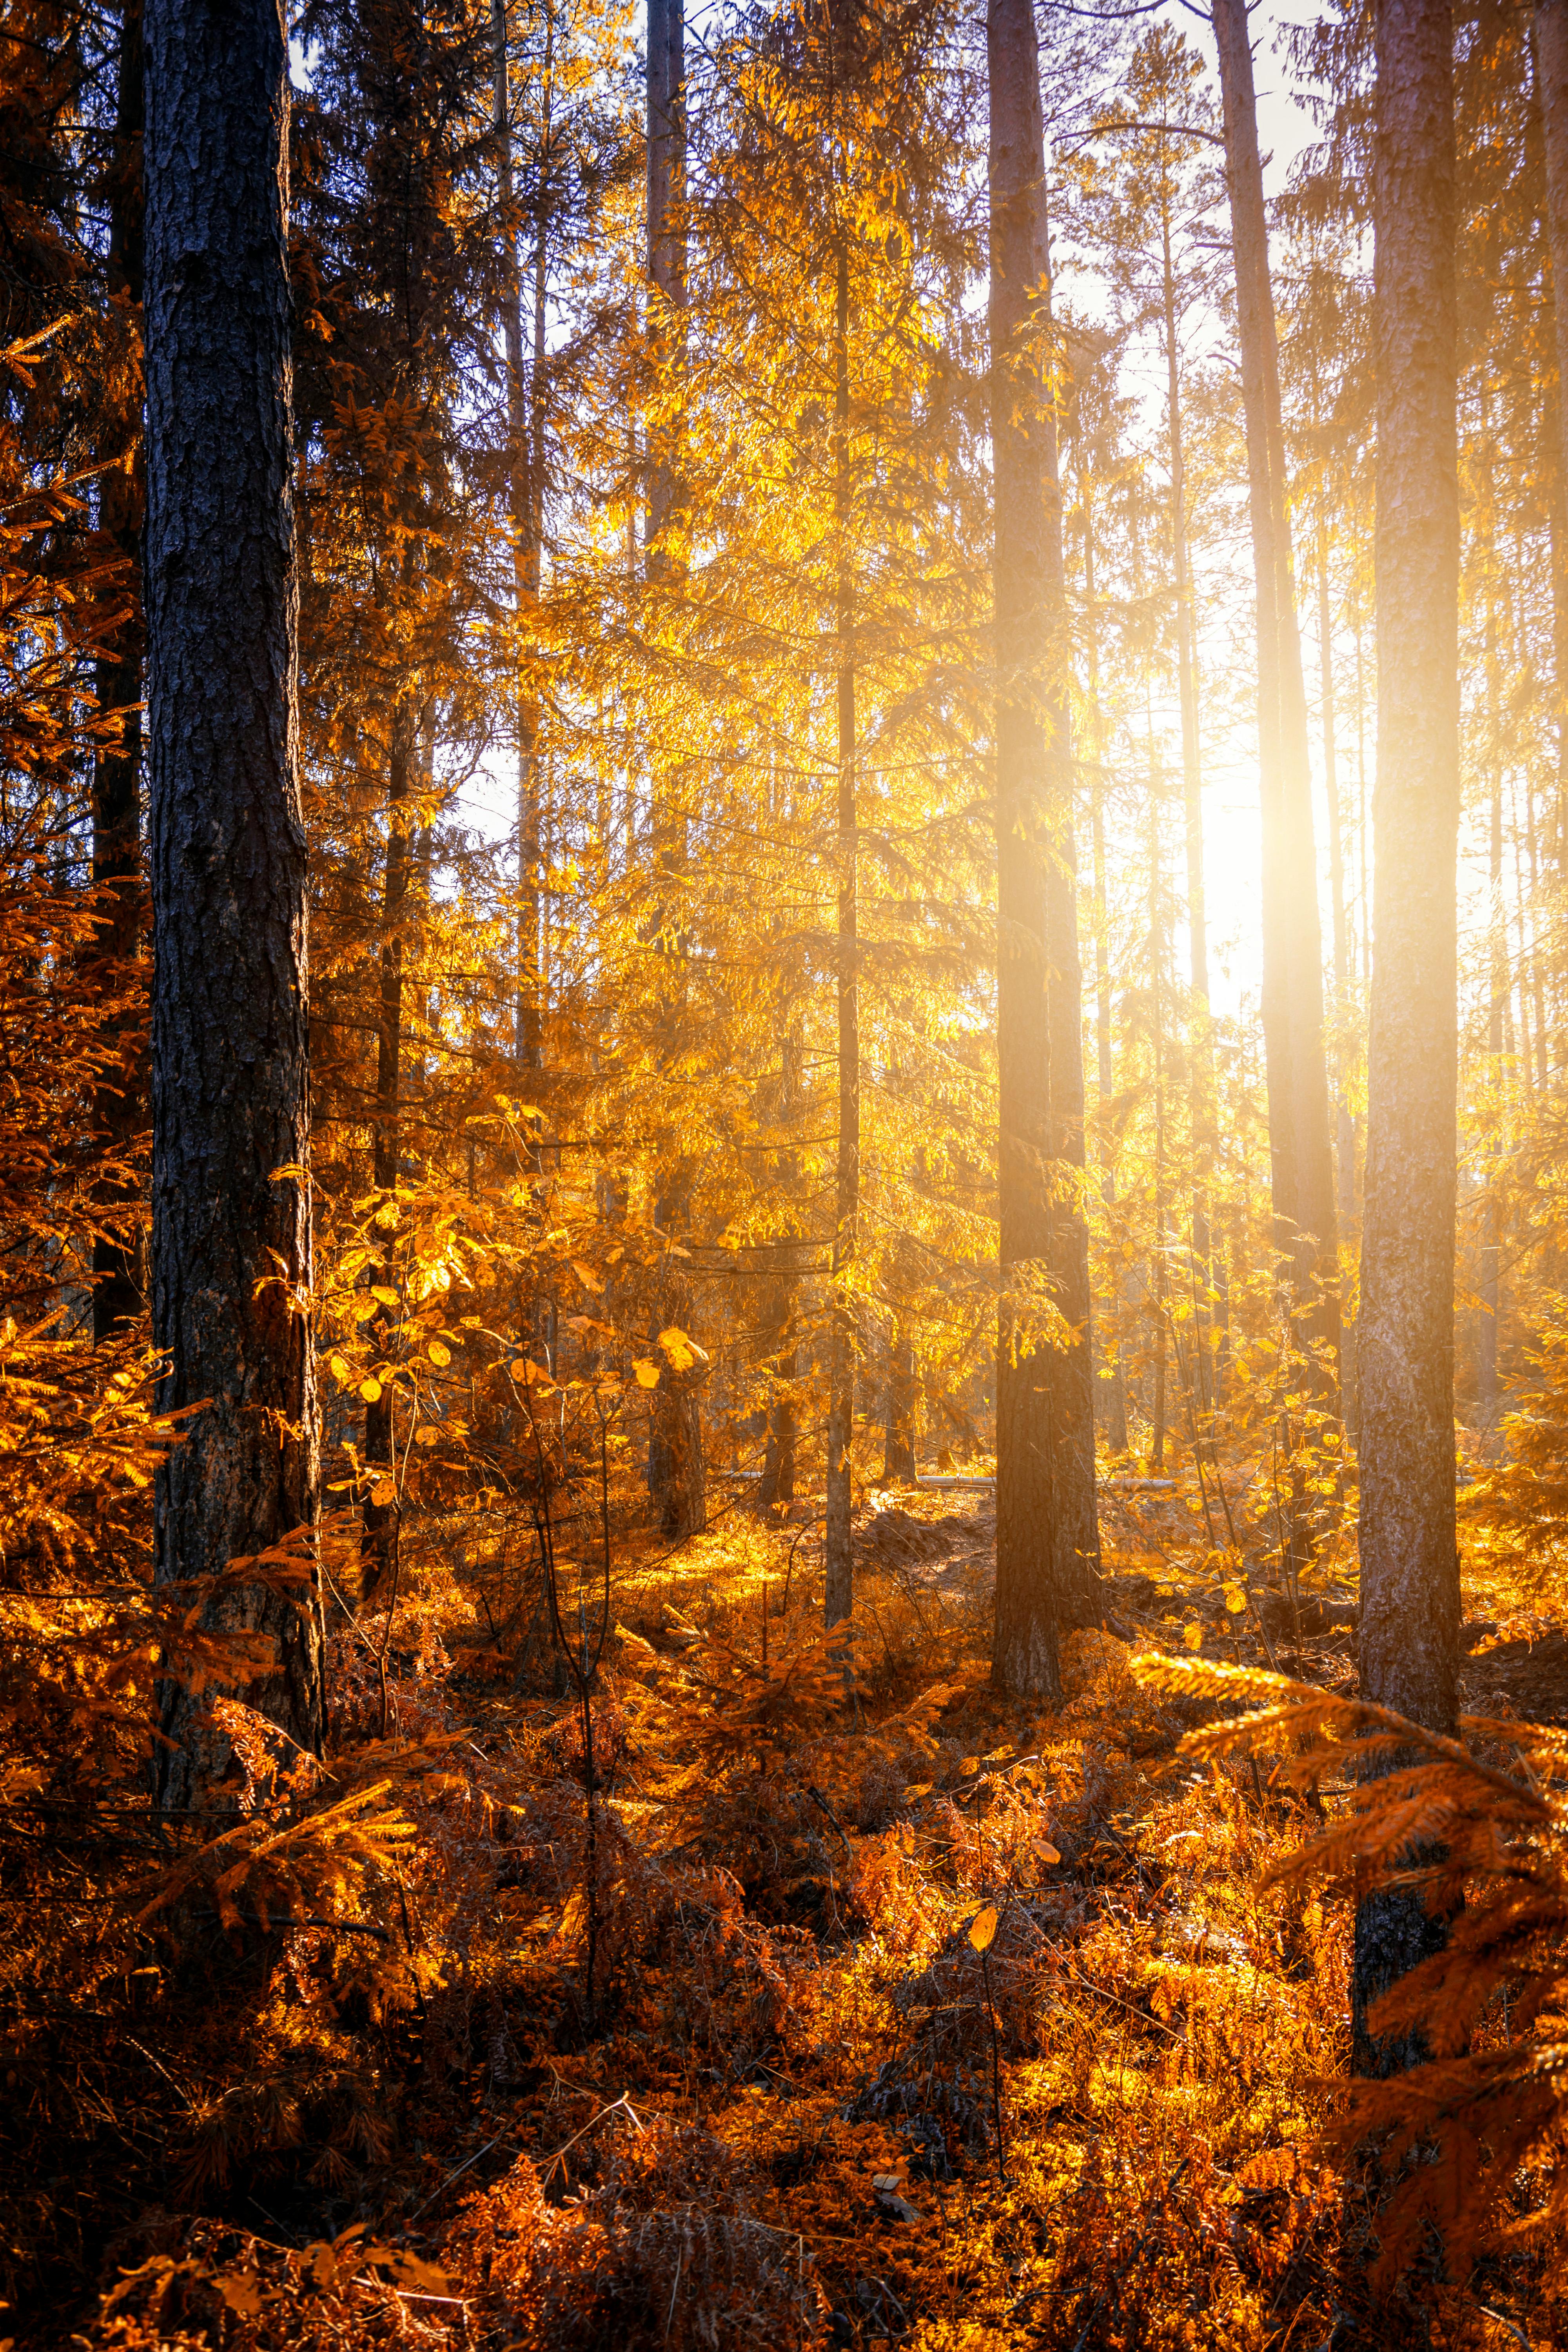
point(1550, 45)
point(1047, 1543)
point(777, 1482)
point(838, 1575)
point(1112, 1380)
point(899, 1465)
point(379, 1547)
point(525, 498)
point(120, 1106)
point(1299, 1129)
point(231, 1205)
point(676, 1481)
point(1409, 1568)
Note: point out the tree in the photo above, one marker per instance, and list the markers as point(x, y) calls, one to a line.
point(1292, 942)
point(1046, 1538)
point(1409, 1566)
point(676, 1477)
point(120, 1106)
point(231, 1200)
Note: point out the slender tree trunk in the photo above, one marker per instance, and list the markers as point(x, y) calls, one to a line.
point(1047, 1553)
point(381, 1514)
point(1491, 1226)
point(1292, 943)
point(1344, 1120)
point(1550, 46)
point(1409, 1567)
point(779, 1313)
point(1112, 1379)
point(839, 1573)
point(899, 1467)
point(676, 1478)
point(525, 510)
point(1158, 1280)
point(1205, 1139)
point(120, 1104)
point(231, 1202)
point(1073, 1558)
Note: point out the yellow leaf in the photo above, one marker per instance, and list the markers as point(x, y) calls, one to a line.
point(428, 1435)
point(970, 1764)
point(370, 1390)
point(678, 1348)
point(982, 1928)
point(364, 1307)
point(1234, 1599)
point(241, 2289)
point(383, 1493)
point(387, 1297)
point(586, 1275)
point(915, 1789)
point(1046, 1851)
point(340, 1370)
point(439, 1352)
point(646, 1372)
point(1192, 1635)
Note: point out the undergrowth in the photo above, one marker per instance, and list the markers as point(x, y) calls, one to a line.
point(889, 2013)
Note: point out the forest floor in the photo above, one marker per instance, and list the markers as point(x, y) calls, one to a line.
point(761, 2089)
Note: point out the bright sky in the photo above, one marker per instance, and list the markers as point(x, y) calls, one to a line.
point(1232, 850)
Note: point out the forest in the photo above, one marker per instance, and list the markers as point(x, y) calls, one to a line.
point(783, 1175)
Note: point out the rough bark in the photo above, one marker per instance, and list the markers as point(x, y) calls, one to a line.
point(525, 489)
point(119, 1107)
point(677, 1480)
point(1549, 54)
point(231, 1226)
point(839, 1582)
point(381, 1517)
point(1112, 1378)
point(899, 1467)
point(1046, 1539)
point(1299, 1129)
point(1409, 1568)
point(1205, 1135)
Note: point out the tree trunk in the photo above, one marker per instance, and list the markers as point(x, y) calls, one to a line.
point(231, 1204)
point(120, 1106)
point(1299, 1134)
point(1409, 1568)
point(1549, 46)
point(378, 1552)
point(1344, 1119)
point(1205, 1139)
point(899, 1467)
point(838, 1587)
point(525, 511)
point(1047, 1541)
point(676, 1474)
point(1112, 1379)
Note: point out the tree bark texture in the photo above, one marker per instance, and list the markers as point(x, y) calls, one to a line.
point(666, 193)
point(899, 1467)
point(839, 1582)
point(378, 1553)
point(1550, 47)
point(677, 1479)
point(231, 1231)
point(525, 505)
point(1047, 1542)
point(119, 1107)
point(1112, 1378)
point(1409, 1568)
point(1299, 1129)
